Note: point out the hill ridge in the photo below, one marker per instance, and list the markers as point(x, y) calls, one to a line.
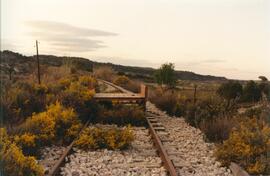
point(18, 60)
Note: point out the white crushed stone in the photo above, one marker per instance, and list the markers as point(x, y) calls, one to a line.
point(194, 156)
point(139, 159)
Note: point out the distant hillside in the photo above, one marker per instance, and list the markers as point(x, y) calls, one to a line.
point(23, 65)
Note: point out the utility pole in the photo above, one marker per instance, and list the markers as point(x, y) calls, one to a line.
point(38, 63)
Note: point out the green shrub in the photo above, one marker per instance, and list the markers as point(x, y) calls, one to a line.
point(110, 138)
point(122, 115)
point(212, 118)
point(207, 109)
point(251, 92)
point(249, 146)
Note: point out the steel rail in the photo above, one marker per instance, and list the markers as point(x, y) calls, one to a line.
point(162, 152)
point(55, 169)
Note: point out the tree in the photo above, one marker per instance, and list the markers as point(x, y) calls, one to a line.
point(263, 78)
point(264, 87)
point(251, 92)
point(230, 91)
point(165, 75)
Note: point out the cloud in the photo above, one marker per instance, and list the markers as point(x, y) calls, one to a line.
point(213, 61)
point(124, 61)
point(207, 61)
point(66, 37)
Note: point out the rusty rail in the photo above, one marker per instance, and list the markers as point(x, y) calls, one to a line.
point(55, 169)
point(115, 86)
point(162, 152)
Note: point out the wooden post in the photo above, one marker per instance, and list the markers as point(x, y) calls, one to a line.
point(144, 93)
point(38, 63)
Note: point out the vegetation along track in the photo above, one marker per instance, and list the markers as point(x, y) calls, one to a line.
point(168, 147)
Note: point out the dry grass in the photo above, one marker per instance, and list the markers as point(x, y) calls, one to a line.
point(218, 129)
point(106, 73)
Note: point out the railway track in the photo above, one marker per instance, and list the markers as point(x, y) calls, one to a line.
point(184, 146)
point(158, 150)
point(142, 156)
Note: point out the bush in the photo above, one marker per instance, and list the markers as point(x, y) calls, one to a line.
point(166, 75)
point(126, 83)
point(56, 123)
point(251, 92)
point(12, 160)
point(122, 115)
point(67, 124)
point(41, 125)
point(27, 142)
point(21, 100)
point(79, 95)
point(105, 73)
point(230, 90)
point(253, 112)
point(204, 110)
point(249, 146)
point(170, 102)
point(121, 80)
point(212, 117)
point(88, 81)
point(110, 138)
point(218, 129)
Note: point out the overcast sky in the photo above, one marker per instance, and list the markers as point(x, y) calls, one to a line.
point(217, 37)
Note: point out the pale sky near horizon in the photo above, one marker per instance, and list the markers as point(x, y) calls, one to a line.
point(228, 38)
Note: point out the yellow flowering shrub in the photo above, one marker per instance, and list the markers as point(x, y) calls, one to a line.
point(42, 126)
point(79, 97)
point(86, 142)
point(82, 92)
point(110, 138)
point(126, 137)
point(121, 80)
point(88, 81)
point(65, 119)
point(118, 139)
point(57, 122)
point(27, 142)
point(73, 131)
point(12, 160)
point(249, 146)
point(64, 82)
